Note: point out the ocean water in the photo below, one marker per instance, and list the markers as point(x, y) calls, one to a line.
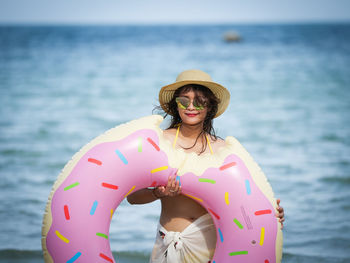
point(61, 86)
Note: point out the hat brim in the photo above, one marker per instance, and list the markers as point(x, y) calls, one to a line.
point(167, 92)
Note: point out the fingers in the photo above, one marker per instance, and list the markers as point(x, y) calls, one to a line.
point(280, 217)
point(177, 187)
point(173, 182)
point(169, 182)
point(280, 213)
point(279, 208)
point(173, 187)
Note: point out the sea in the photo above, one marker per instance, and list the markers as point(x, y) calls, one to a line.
point(63, 85)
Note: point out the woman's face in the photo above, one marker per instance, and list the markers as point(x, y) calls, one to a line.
point(191, 115)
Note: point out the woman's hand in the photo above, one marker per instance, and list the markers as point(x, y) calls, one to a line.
point(280, 213)
point(172, 188)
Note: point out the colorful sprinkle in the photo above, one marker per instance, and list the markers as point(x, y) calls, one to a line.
point(216, 215)
point(193, 197)
point(226, 166)
point(153, 144)
point(247, 187)
point(159, 169)
point(102, 235)
point(205, 180)
point(112, 212)
point(93, 208)
point(61, 237)
point(262, 236)
point(74, 258)
point(238, 253)
point(238, 223)
point(262, 212)
point(121, 157)
point(66, 212)
point(132, 188)
point(71, 186)
point(266, 261)
point(111, 186)
point(106, 258)
point(178, 179)
point(154, 184)
point(92, 160)
point(139, 147)
point(226, 198)
point(221, 236)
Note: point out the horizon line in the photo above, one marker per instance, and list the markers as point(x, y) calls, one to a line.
point(168, 23)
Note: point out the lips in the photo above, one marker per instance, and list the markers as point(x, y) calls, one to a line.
point(191, 114)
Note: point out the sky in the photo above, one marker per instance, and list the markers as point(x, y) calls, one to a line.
point(172, 12)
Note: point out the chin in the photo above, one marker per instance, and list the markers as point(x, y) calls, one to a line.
point(192, 120)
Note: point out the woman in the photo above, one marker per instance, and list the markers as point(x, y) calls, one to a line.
point(186, 232)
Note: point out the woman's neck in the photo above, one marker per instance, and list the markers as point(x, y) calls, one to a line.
point(191, 131)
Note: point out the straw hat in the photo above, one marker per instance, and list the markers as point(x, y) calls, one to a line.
point(195, 76)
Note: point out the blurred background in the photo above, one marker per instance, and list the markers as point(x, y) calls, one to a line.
point(69, 70)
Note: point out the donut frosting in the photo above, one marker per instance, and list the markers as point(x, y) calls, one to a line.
point(132, 156)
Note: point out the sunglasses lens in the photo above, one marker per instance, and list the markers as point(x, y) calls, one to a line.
point(183, 102)
point(198, 105)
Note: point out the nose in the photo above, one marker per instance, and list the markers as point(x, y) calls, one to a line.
point(190, 107)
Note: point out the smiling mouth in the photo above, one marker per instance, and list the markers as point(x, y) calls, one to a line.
point(191, 114)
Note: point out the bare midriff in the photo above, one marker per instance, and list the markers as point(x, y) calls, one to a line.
point(179, 212)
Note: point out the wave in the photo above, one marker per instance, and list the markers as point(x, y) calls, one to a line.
point(19, 256)
point(299, 258)
point(336, 179)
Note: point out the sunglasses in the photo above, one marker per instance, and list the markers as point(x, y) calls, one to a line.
point(184, 103)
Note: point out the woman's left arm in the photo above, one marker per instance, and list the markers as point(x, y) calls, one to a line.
point(280, 213)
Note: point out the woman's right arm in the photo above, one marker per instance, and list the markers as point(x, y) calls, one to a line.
point(143, 196)
point(146, 195)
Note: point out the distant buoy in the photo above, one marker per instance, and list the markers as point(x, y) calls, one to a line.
point(232, 36)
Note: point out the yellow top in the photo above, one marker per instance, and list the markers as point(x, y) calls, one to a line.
point(177, 135)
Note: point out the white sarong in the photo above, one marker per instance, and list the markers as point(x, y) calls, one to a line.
point(195, 244)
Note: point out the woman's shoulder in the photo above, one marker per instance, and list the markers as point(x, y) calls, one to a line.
point(216, 139)
point(169, 132)
point(217, 143)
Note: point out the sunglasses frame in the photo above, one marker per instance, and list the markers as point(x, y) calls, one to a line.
point(197, 105)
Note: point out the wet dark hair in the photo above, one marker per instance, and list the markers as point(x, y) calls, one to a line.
point(205, 96)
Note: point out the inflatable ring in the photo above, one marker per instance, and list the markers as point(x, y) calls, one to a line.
point(132, 156)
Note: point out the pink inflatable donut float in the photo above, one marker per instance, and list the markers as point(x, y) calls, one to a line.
point(132, 156)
